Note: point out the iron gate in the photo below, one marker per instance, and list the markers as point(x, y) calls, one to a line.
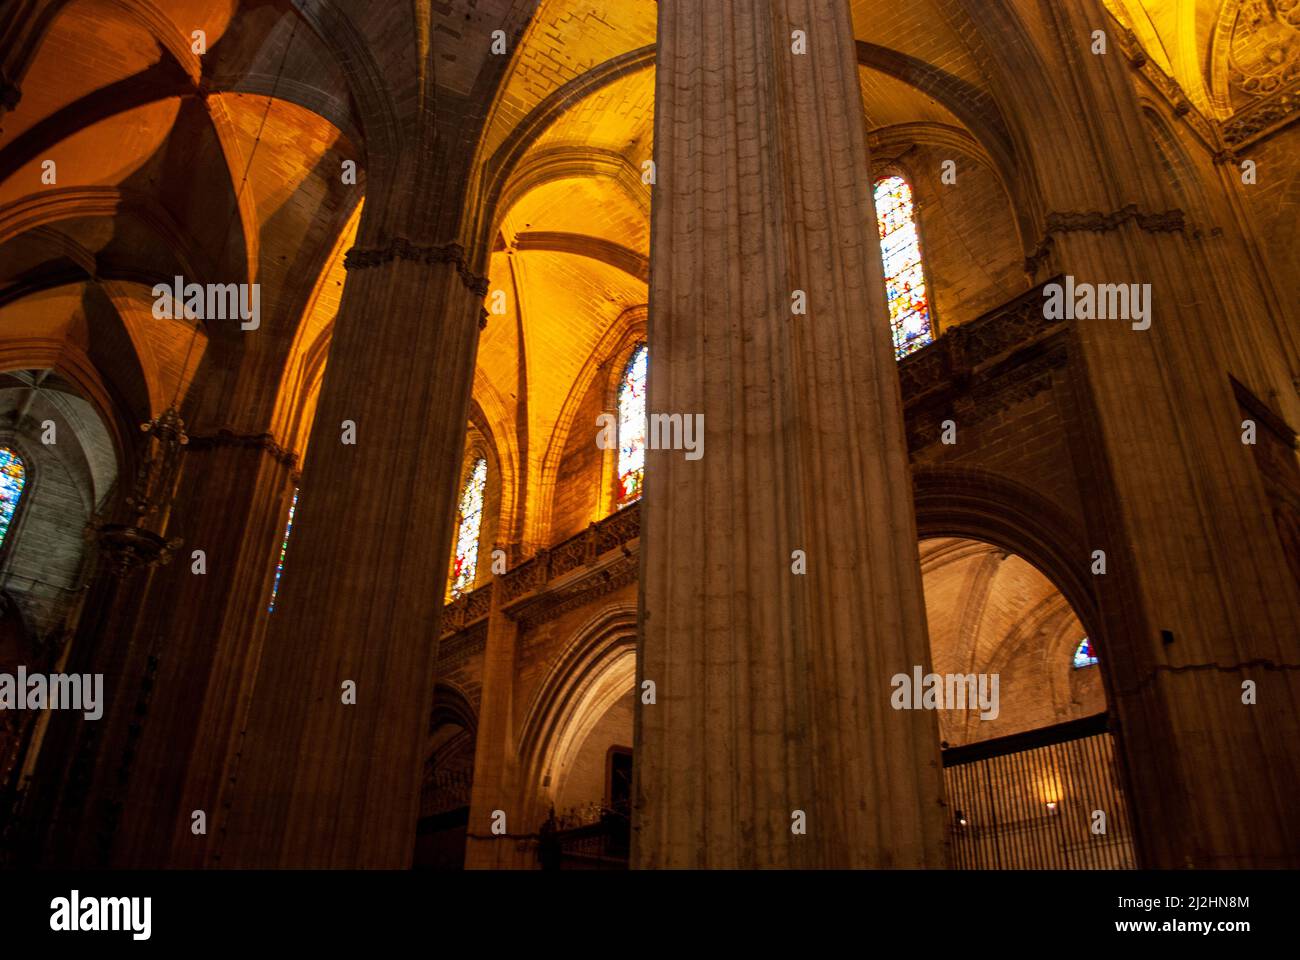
point(1046, 799)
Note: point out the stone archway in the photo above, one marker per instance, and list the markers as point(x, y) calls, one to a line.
point(448, 778)
point(582, 710)
point(1031, 770)
point(594, 674)
point(982, 505)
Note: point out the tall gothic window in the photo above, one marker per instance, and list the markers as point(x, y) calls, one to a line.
point(284, 547)
point(1083, 655)
point(469, 522)
point(13, 476)
point(632, 428)
point(900, 248)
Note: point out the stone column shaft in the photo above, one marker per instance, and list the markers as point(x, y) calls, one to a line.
point(1197, 594)
point(496, 785)
point(323, 783)
point(174, 650)
point(237, 497)
point(773, 688)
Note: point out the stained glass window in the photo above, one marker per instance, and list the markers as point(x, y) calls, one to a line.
point(632, 428)
point(900, 248)
point(1083, 654)
point(284, 546)
point(13, 475)
point(469, 521)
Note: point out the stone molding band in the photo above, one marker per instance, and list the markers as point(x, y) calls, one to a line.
point(1170, 221)
point(399, 248)
point(1263, 117)
point(258, 441)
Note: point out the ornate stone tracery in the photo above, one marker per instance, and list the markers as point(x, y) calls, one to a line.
point(1264, 48)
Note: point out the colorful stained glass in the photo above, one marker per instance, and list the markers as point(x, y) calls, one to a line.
point(13, 475)
point(632, 428)
point(469, 521)
point(284, 546)
point(900, 248)
point(1083, 654)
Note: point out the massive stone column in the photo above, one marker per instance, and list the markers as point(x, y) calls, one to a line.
point(1197, 597)
point(772, 687)
point(175, 642)
point(209, 631)
point(329, 773)
point(496, 783)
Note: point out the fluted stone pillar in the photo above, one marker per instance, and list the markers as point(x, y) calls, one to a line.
point(175, 645)
point(772, 688)
point(496, 784)
point(78, 757)
point(323, 782)
point(234, 499)
point(1197, 595)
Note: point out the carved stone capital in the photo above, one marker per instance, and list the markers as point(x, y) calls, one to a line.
point(399, 248)
point(259, 441)
point(1094, 221)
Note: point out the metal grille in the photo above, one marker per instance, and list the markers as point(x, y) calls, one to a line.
point(446, 790)
point(1030, 801)
point(600, 845)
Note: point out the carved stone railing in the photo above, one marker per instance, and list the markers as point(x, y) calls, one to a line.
point(466, 610)
point(971, 372)
point(446, 790)
point(1262, 117)
point(534, 576)
point(616, 530)
point(981, 367)
point(600, 840)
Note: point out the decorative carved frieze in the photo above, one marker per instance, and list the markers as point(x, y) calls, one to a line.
point(399, 248)
point(981, 368)
point(1262, 117)
point(617, 575)
point(460, 646)
point(571, 554)
point(466, 610)
point(579, 551)
point(545, 586)
point(528, 576)
point(453, 616)
point(1094, 221)
point(478, 603)
point(254, 441)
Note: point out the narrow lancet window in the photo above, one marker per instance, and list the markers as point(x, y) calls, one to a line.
point(900, 249)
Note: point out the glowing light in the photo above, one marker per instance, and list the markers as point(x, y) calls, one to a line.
point(900, 249)
point(284, 547)
point(13, 477)
point(632, 428)
point(1083, 656)
point(469, 523)
point(1049, 786)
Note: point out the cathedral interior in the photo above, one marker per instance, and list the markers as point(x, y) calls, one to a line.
point(569, 434)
